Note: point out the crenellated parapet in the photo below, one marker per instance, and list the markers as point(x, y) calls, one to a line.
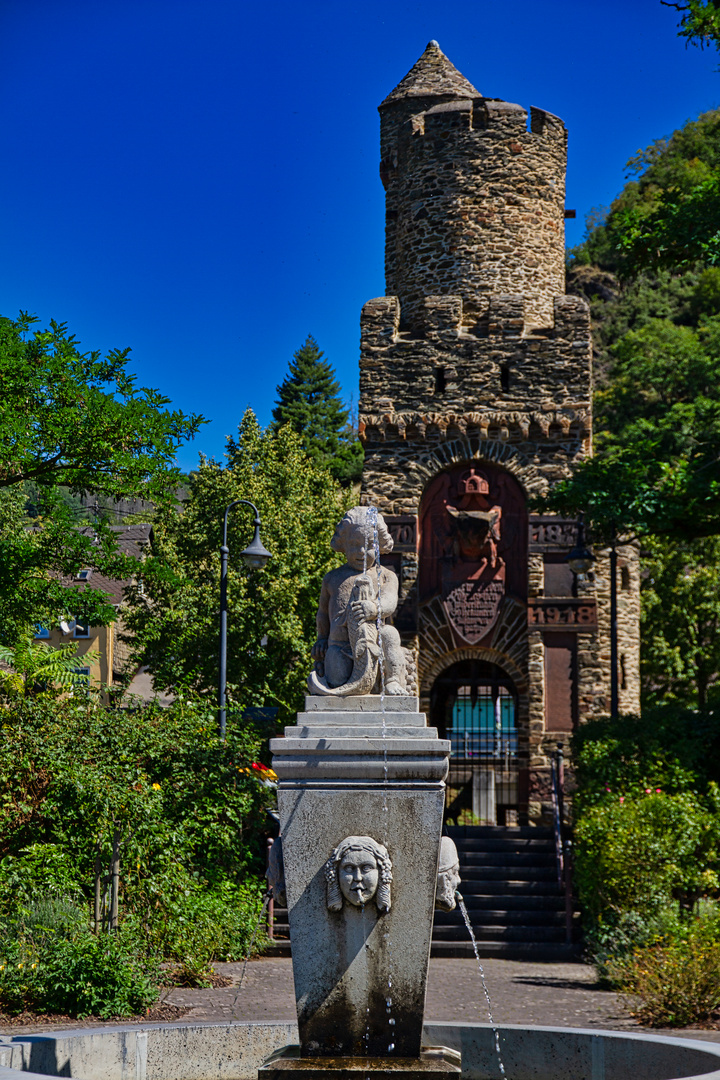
point(501, 366)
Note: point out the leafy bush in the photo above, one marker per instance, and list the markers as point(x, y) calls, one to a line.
point(674, 983)
point(189, 811)
point(636, 853)
point(85, 975)
point(671, 748)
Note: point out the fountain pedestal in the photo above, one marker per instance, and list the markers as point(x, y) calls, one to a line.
point(349, 772)
point(435, 1062)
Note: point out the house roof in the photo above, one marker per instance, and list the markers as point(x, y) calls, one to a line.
point(131, 539)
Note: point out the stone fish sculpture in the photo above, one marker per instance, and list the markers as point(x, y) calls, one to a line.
point(349, 634)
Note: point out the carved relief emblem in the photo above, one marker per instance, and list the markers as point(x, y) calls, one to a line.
point(473, 544)
point(472, 607)
point(358, 871)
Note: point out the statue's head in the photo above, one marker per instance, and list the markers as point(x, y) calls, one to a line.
point(358, 870)
point(354, 537)
point(448, 877)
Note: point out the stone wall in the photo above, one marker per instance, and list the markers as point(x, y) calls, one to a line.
point(474, 200)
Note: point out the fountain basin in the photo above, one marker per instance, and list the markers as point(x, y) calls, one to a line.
point(235, 1051)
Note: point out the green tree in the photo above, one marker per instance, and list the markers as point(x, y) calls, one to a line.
point(271, 622)
point(657, 463)
point(681, 621)
point(700, 22)
point(38, 668)
point(309, 401)
point(71, 421)
point(79, 419)
point(668, 214)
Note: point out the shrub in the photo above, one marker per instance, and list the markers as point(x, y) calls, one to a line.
point(636, 853)
point(190, 814)
point(85, 975)
point(675, 983)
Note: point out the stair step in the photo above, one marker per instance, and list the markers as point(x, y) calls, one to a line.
point(508, 902)
point(505, 858)
point(502, 887)
point(502, 933)
point(542, 847)
point(508, 873)
point(542, 952)
point(500, 917)
point(502, 832)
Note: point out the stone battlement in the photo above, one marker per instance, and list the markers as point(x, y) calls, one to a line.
point(500, 366)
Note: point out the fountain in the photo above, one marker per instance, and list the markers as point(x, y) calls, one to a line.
point(363, 864)
point(361, 797)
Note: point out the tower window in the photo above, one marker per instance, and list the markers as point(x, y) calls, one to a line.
point(440, 380)
point(504, 377)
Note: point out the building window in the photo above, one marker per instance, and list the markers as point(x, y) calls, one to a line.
point(440, 382)
point(83, 575)
point(82, 688)
point(82, 630)
point(41, 633)
point(504, 377)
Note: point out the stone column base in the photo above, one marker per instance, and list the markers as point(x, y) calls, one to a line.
point(286, 1064)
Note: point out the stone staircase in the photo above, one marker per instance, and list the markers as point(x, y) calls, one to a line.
point(509, 884)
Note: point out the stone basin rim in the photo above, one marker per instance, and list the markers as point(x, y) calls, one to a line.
point(235, 1049)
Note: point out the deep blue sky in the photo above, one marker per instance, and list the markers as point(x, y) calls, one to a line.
point(198, 179)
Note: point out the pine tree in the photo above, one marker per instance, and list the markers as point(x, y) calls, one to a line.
point(309, 401)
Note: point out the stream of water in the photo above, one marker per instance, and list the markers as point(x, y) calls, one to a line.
point(496, 1033)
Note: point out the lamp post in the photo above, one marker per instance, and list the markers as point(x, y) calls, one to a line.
point(580, 561)
point(255, 556)
point(613, 630)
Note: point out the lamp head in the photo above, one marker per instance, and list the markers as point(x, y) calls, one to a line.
point(255, 556)
point(580, 560)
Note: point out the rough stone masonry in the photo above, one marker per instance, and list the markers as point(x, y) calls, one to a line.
point(475, 394)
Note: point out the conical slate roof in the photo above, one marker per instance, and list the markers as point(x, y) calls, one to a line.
point(432, 75)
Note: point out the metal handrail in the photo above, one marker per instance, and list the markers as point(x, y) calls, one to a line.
point(556, 769)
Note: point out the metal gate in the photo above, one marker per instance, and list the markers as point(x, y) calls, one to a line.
point(475, 705)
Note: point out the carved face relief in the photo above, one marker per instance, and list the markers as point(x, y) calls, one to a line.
point(358, 876)
point(448, 877)
point(359, 870)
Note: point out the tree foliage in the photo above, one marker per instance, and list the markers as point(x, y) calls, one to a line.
point(79, 419)
point(657, 463)
point(681, 622)
point(668, 214)
point(71, 421)
point(271, 620)
point(700, 22)
point(309, 401)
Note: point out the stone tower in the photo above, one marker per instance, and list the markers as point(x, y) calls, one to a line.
point(475, 395)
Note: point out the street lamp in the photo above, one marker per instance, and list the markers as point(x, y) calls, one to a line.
point(580, 560)
point(255, 557)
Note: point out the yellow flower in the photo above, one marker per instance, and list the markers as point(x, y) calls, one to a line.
point(156, 787)
point(20, 965)
point(34, 965)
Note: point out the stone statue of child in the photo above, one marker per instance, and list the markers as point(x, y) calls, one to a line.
point(346, 652)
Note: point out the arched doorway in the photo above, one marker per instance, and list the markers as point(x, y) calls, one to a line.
point(474, 704)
